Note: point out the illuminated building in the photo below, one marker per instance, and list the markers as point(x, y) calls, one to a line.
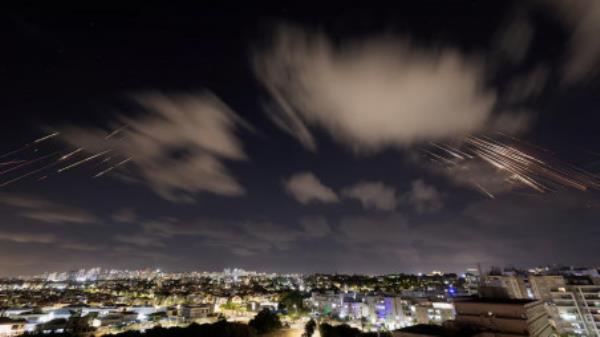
point(327, 303)
point(578, 309)
point(472, 280)
point(11, 327)
point(191, 312)
point(434, 312)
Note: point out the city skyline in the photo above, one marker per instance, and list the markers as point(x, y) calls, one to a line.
point(71, 275)
point(426, 136)
point(537, 302)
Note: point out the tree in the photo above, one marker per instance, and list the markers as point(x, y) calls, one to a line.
point(78, 325)
point(292, 301)
point(265, 321)
point(309, 328)
point(345, 330)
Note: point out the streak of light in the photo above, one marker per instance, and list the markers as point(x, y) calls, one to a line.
point(28, 145)
point(29, 162)
point(100, 174)
point(116, 131)
point(482, 189)
point(516, 160)
point(30, 173)
point(439, 158)
point(72, 153)
point(82, 161)
point(52, 135)
point(12, 162)
point(449, 150)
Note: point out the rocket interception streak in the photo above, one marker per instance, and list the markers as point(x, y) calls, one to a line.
point(519, 162)
point(40, 167)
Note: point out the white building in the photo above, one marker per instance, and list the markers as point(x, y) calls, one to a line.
point(11, 327)
point(197, 311)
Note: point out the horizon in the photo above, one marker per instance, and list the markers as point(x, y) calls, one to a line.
point(434, 272)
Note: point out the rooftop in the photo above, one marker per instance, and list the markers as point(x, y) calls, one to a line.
point(6, 320)
point(494, 300)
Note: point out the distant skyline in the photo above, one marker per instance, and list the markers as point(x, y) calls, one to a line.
point(231, 269)
point(433, 135)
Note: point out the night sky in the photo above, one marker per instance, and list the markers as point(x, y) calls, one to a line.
point(297, 139)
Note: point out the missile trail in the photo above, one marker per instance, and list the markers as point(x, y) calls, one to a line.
point(6, 183)
point(116, 131)
point(100, 174)
point(518, 161)
point(85, 160)
point(29, 145)
point(52, 135)
point(12, 162)
point(72, 153)
point(29, 162)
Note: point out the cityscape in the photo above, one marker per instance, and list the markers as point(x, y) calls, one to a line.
point(544, 301)
point(416, 168)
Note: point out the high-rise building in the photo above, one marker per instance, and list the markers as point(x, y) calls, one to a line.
point(472, 281)
point(578, 309)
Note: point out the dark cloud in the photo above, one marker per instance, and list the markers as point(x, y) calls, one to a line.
point(373, 195)
point(125, 215)
point(315, 227)
point(424, 197)
point(582, 19)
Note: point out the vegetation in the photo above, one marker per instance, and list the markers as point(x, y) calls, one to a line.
point(265, 321)
point(218, 329)
point(233, 307)
point(345, 330)
point(292, 301)
point(309, 328)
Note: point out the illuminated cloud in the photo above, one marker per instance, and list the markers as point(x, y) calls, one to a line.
point(27, 237)
point(478, 175)
point(373, 195)
point(306, 187)
point(372, 93)
point(178, 146)
point(140, 240)
point(81, 247)
point(46, 211)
